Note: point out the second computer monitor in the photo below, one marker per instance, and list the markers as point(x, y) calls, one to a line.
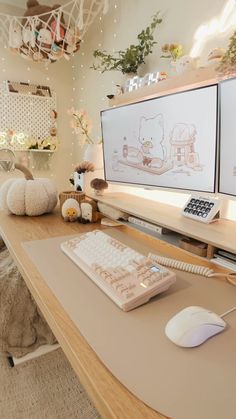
point(168, 141)
point(227, 166)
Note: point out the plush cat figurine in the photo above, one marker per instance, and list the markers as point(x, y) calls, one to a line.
point(185, 63)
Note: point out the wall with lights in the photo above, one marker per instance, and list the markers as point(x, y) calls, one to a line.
point(58, 76)
point(119, 28)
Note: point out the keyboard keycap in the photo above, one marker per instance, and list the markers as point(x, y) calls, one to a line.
point(126, 276)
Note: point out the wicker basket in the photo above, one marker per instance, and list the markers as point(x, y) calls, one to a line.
point(63, 196)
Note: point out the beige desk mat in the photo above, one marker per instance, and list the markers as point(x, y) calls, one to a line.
point(196, 383)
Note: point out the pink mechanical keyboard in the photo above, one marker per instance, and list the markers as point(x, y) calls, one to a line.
point(126, 276)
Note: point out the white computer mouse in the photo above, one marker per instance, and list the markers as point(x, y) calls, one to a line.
point(193, 326)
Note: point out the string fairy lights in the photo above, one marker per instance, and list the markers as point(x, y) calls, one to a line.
point(33, 158)
point(11, 134)
point(81, 65)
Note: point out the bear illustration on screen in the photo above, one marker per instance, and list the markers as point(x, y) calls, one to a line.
point(151, 137)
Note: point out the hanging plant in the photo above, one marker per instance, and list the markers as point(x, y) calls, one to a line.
point(129, 60)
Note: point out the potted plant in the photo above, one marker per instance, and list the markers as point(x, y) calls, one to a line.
point(129, 60)
point(172, 51)
point(227, 65)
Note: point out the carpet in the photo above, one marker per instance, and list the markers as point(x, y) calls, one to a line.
point(43, 388)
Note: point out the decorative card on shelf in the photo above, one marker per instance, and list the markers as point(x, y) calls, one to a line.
point(28, 89)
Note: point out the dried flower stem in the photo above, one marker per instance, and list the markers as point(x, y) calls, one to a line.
point(84, 130)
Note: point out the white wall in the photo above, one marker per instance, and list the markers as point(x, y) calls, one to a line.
point(112, 32)
point(116, 31)
point(59, 78)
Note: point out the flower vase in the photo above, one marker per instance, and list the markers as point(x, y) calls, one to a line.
point(94, 154)
point(79, 181)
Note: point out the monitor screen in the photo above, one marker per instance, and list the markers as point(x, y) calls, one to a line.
point(227, 161)
point(168, 141)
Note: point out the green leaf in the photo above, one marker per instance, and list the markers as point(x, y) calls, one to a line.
point(129, 60)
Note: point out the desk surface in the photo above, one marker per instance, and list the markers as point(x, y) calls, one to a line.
point(98, 381)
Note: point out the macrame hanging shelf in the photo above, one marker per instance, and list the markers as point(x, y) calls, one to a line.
point(50, 36)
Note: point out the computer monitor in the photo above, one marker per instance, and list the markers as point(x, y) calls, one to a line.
point(227, 150)
point(167, 141)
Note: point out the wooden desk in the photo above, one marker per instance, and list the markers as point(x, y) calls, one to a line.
point(111, 398)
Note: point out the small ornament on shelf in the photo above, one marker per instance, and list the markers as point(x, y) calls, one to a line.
point(215, 55)
point(179, 62)
point(119, 90)
point(42, 144)
point(172, 51)
point(98, 185)
point(185, 63)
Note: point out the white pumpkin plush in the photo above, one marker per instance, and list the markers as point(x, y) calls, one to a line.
point(28, 196)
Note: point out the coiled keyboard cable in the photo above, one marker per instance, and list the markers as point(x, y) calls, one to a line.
point(189, 267)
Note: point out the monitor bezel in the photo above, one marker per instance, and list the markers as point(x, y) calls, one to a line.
point(222, 195)
point(168, 188)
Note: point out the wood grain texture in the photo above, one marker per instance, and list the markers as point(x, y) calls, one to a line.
point(186, 81)
point(220, 234)
point(111, 398)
